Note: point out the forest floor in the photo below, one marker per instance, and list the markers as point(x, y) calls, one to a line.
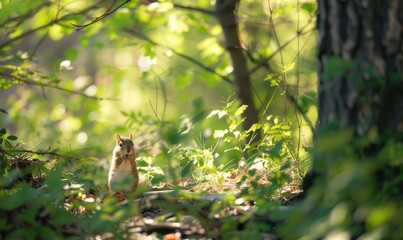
point(187, 214)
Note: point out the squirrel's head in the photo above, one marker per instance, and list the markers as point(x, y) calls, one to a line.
point(124, 146)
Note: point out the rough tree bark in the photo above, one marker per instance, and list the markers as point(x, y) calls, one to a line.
point(369, 33)
point(358, 158)
point(360, 72)
point(226, 15)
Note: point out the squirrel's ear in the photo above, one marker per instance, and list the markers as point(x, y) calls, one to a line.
point(131, 136)
point(117, 138)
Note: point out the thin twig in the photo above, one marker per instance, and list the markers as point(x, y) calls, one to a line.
point(288, 96)
point(103, 16)
point(264, 61)
point(24, 151)
point(297, 89)
point(43, 38)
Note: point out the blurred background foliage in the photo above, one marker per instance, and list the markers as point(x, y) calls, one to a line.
point(152, 68)
point(74, 73)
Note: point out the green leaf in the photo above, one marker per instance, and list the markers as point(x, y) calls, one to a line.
point(149, 50)
point(288, 67)
point(275, 152)
point(220, 113)
point(252, 172)
point(220, 133)
point(12, 137)
point(157, 178)
point(3, 131)
point(47, 233)
point(184, 80)
point(307, 100)
point(3, 111)
point(254, 127)
point(240, 110)
point(186, 170)
point(71, 53)
point(198, 104)
point(309, 7)
point(9, 8)
point(15, 200)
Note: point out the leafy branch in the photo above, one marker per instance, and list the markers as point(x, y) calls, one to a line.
point(50, 23)
point(184, 56)
point(24, 151)
point(264, 61)
point(40, 84)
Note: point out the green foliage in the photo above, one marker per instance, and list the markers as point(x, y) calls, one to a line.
point(40, 212)
point(268, 163)
point(357, 194)
point(153, 174)
point(167, 67)
point(27, 203)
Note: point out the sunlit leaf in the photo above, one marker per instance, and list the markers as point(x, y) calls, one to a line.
point(220, 133)
point(56, 32)
point(254, 127)
point(309, 7)
point(240, 110)
point(288, 67)
point(220, 113)
point(158, 170)
point(159, 6)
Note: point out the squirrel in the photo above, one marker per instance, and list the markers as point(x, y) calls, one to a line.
point(123, 174)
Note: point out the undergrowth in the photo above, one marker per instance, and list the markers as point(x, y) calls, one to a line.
point(44, 193)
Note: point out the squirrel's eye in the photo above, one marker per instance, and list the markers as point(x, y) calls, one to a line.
point(120, 144)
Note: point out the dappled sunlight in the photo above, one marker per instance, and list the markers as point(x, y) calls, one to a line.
point(200, 119)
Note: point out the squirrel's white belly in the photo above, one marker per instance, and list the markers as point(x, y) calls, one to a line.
point(121, 179)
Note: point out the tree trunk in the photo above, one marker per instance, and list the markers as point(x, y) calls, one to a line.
point(355, 186)
point(360, 71)
point(225, 12)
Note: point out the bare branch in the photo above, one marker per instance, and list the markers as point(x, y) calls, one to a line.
point(196, 9)
point(47, 152)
